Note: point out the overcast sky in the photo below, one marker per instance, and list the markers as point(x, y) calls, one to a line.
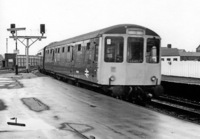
point(176, 21)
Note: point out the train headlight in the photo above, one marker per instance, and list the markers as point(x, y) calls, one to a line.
point(153, 78)
point(112, 78)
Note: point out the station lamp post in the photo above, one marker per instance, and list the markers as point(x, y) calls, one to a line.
point(14, 30)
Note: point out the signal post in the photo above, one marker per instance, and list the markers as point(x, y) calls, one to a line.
point(14, 30)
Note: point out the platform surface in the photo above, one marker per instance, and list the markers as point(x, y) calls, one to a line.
point(52, 109)
point(183, 80)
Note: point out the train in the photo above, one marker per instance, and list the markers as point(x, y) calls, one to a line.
point(122, 60)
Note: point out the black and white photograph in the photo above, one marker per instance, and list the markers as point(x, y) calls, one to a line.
point(99, 69)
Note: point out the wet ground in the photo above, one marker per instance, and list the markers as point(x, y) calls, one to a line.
point(51, 109)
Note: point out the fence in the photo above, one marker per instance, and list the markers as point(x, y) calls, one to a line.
point(181, 68)
point(33, 60)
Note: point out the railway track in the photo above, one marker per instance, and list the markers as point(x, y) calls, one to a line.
point(176, 107)
point(180, 101)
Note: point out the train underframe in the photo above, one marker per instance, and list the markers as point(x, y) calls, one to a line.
point(137, 94)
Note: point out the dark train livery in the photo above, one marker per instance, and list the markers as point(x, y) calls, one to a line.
point(123, 60)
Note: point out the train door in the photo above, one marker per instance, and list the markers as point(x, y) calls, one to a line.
point(79, 60)
point(95, 59)
point(73, 52)
point(87, 71)
point(91, 56)
point(53, 59)
point(69, 59)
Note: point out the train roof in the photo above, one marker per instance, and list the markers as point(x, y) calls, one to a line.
point(117, 29)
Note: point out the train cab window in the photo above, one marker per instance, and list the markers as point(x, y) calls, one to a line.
point(79, 47)
point(114, 47)
point(152, 53)
point(135, 50)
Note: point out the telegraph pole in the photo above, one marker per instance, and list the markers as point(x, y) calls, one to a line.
point(27, 38)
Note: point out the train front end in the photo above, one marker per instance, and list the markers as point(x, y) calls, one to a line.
point(130, 63)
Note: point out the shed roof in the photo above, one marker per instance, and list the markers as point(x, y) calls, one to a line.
point(189, 54)
point(165, 51)
point(169, 51)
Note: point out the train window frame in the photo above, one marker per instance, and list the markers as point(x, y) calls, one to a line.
point(68, 48)
point(113, 54)
point(63, 49)
point(88, 46)
point(79, 47)
point(153, 51)
point(133, 55)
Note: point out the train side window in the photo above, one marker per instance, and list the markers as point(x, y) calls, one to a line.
point(114, 47)
point(79, 47)
point(152, 53)
point(88, 46)
point(135, 50)
point(63, 49)
point(58, 50)
point(68, 49)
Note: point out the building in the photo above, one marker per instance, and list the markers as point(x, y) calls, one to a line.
point(169, 54)
point(190, 56)
point(10, 60)
point(174, 54)
point(198, 49)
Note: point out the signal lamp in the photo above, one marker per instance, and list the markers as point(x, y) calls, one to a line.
point(42, 28)
point(12, 26)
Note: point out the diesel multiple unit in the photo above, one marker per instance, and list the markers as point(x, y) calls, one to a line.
point(123, 60)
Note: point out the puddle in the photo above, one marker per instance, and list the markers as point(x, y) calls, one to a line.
point(35, 104)
point(76, 127)
point(2, 105)
point(10, 83)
